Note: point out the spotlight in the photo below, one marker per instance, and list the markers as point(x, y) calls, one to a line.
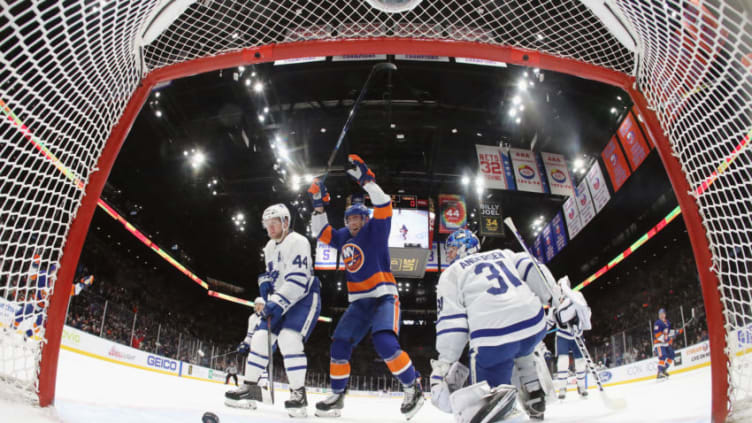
point(465, 180)
point(454, 130)
point(308, 178)
point(323, 130)
point(248, 82)
point(258, 87)
point(518, 121)
point(261, 118)
point(197, 159)
point(266, 110)
point(516, 99)
point(158, 113)
point(479, 181)
point(578, 163)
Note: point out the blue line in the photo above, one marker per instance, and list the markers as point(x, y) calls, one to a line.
point(259, 355)
point(297, 283)
point(257, 365)
point(442, 332)
point(293, 356)
point(481, 333)
point(295, 274)
point(283, 297)
point(292, 369)
point(453, 316)
point(517, 264)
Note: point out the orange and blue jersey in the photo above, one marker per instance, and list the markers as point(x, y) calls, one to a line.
point(661, 331)
point(366, 256)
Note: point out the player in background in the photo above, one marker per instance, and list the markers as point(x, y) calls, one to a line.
point(372, 291)
point(663, 338)
point(292, 296)
point(572, 317)
point(253, 322)
point(481, 299)
point(30, 316)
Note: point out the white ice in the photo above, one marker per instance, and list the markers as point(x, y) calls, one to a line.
point(96, 391)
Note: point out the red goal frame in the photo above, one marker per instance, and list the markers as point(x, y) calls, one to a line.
point(690, 212)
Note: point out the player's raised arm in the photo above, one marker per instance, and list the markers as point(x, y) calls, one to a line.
point(319, 222)
point(359, 171)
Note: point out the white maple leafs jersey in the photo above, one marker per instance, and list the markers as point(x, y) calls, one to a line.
point(481, 298)
point(290, 265)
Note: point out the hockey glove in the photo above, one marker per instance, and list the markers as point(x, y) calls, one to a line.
point(319, 195)
point(244, 348)
point(445, 379)
point(359, 171)
point(265, 282)
point(271, 310)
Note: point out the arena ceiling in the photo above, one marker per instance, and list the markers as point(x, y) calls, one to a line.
point(417, 129)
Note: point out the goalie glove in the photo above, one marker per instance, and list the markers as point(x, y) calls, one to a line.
point(319, 196)
point(359, 171)
point(445, 379)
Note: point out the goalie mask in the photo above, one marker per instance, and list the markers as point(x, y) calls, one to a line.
point(465, 241)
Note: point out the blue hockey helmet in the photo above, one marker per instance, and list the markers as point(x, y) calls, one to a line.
point(356, 209)
point(465, 241)
point(662, 311)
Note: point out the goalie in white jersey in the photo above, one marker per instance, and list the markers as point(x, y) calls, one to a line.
point(481, 299)
point(293, 305)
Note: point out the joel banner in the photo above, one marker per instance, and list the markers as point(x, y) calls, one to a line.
point(490, 219)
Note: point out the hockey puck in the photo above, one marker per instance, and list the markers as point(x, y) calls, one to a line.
point(209, 417)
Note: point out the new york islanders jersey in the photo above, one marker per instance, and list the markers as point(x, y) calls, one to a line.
point(290, 265)
point(366, 257)
point(662, 333)
point(481, 297)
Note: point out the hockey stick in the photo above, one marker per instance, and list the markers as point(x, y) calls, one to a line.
point(351, 116)
point(611, 403)
point(271, 356)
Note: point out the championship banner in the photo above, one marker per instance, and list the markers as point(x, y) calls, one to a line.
point(598, 188)
point(432, 264)
point(584, 203)
point(326, 257)
point(548, 243)
point(542, 173)
point(494, 166)
point(560, 235)
point(490, 219)
point(453, 213)
point(633, 142)
point(557, 173)
point(538, 248)
point(616, 164)
point(572, 217)
point(526, 170)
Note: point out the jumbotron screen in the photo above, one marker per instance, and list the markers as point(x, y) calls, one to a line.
point(409, 228)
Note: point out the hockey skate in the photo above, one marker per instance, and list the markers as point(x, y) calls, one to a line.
point(582, 391)
point(297, 405)
point(662, 375)
point(331, 406)
point(413, 400)
point(562, 393)
point(247, 396)
point(534, 404)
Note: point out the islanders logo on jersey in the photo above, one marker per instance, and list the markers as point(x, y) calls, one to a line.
point(558, 176)
point(596, 183)
point(526, 172)
point(353, 257)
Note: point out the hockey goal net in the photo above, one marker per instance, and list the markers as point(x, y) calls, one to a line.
point(75, 74)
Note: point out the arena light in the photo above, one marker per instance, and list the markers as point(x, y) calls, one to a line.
point(197, 159)
point(158, 113)
point(308, 178)
point(479, 181)
point(323, 130)
point(258, 87)
point(261, 118)
point(454, 130)
point(465, 180)
point(248, 82)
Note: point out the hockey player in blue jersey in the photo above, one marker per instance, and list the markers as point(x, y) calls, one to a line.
point(292, 303)
point(372, 290)
point(482, 300)
point(663, 338)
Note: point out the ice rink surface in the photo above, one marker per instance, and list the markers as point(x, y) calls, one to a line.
point(95, 391)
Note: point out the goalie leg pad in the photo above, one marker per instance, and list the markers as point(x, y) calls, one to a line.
point(479, 403)
point(530, 390)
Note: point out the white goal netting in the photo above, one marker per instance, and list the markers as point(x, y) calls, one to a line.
point(70, 67)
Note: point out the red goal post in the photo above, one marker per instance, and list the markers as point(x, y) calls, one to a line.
point(689, 79)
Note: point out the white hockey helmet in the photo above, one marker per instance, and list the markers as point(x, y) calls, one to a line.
point(259, 301)
point(277, 211)
point(564, 283)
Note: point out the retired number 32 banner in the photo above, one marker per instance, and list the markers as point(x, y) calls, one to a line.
point(453, 213)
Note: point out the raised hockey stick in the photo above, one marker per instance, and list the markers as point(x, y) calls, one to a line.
point(351, 116)
point(271, 356)
point(611, 403)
